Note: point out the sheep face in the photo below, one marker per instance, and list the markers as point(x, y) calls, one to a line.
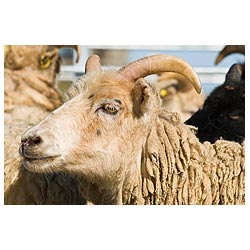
point(223, 113)
point(178, 95)
point(29, 76)
point(89, 132)
point(172, 83)
point(35, 57)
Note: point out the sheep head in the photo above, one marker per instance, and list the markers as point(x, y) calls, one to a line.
point(100, 112)
point(104, 122)
point(170, 84)
point(37, 57)
point(30, 73)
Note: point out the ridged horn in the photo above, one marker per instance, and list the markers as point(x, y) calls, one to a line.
point(158, 64)
point(183, 82)
point(92, 64)
point(229, 49)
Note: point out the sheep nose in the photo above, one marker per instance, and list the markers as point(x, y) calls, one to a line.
point(29, 142)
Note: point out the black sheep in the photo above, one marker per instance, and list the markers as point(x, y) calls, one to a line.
point(223, 113)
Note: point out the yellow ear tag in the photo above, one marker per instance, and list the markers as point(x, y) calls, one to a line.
point(163, 92)
point(44, 62)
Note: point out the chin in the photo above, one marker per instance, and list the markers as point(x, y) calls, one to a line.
point(43, 165)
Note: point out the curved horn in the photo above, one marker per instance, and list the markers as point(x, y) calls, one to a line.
point(92, 64)
point(160, 63)
point(229, 49)
point(183, 82)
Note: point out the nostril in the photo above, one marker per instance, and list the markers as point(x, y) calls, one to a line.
point(31, 141)
point(37, 140)
point(24, 140)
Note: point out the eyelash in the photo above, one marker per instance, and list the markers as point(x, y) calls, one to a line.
point(110, 109)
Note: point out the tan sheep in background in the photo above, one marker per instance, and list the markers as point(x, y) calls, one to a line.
point(178, 95)
point(30, 92)
point(125, 149)
point(29, 79)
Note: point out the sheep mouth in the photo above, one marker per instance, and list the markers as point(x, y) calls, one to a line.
point(40, 164)
point(46, 158)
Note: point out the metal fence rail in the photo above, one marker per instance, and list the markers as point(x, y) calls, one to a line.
point(201, 57)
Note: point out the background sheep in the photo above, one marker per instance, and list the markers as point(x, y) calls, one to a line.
point(29, 92)
point(223, 113)
point(178, 95)
point(125, 149)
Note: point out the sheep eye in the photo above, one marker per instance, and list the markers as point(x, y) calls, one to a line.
point(44, 62)
point(110, 108)
point(163, 92)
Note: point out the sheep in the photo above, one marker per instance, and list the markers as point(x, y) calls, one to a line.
point(178, 95)
point(20, 185)
point(223, 113)
point(29, 76)
point(124, 148)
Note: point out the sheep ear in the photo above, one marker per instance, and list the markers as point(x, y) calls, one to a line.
point(143, 97)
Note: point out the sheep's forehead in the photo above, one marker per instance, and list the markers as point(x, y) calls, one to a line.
point(110, 91)
point(105, 86)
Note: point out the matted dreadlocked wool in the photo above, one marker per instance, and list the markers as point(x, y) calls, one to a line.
point(180, 170)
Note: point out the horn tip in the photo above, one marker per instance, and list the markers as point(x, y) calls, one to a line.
point(198, 89)
point(217, 61)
